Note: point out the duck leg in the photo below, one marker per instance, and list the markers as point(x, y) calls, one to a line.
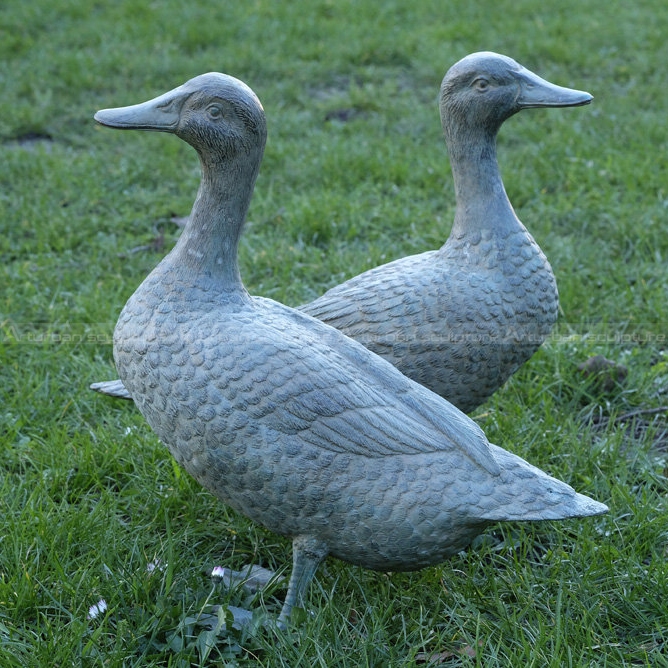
point(307, 553)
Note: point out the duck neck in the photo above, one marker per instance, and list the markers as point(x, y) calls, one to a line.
point(210, 241)
point(481, 200)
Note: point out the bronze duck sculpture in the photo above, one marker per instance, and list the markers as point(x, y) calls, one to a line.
point(283, 417)
point(462, 319)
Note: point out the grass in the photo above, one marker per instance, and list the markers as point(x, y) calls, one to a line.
point(355, 174)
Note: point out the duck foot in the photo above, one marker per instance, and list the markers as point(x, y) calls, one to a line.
point(251, 578)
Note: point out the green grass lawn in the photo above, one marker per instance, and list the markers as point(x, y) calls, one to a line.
point(355, 173)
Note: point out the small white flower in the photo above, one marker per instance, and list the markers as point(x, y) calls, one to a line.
point(98, 609)
point(155, 565)
point(218, 572)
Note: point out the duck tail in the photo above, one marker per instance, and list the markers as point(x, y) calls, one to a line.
point(532, 494)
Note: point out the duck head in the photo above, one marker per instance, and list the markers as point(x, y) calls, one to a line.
point(484, 89)
point(223, 120)
point(215, 113)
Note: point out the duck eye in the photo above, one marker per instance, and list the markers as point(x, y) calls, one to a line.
point(215, 111)
point(481, 84)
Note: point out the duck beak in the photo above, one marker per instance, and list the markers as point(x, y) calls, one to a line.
point(536, 92)
point(161, 113)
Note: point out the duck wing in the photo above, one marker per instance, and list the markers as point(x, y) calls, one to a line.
point(383, 302)
point(340, 397)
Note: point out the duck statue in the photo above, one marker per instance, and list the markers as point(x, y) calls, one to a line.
point(283, 417)
point(462, 319)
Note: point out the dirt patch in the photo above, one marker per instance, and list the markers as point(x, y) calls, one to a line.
point(31, 140)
